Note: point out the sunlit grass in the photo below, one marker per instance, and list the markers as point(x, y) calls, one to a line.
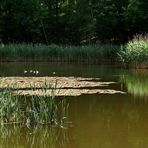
point(135, 52)
point(27, 110)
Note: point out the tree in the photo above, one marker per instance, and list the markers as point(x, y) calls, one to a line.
point(110, 20)
point(1, 20)
point(136, 17)
point(23, 20)
point(72, 21)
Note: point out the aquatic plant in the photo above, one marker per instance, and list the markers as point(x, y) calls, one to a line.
point(28, 110)
point(10, 107)
point(135, 52)
point(41, 52)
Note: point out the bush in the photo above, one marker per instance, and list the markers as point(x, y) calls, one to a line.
point(135, 52)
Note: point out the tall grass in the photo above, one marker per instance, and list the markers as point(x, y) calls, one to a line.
point(135, 52)
point(30, 110)
point(40, 52)
point(10, 108)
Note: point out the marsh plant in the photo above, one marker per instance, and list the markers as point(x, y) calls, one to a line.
point(10, 107)
point(135, 52)
point(41, 52)
point(35, 109)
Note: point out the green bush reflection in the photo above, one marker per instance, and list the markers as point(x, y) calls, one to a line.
point(136, 82)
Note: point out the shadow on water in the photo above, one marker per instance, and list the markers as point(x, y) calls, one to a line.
point(47, 69)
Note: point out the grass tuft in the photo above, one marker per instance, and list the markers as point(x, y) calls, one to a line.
point(135, 52)
point(17, 109)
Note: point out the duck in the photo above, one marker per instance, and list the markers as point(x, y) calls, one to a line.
point(25, 71)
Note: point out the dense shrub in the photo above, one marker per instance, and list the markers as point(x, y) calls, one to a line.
point(135, 52)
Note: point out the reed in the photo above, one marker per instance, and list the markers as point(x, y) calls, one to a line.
point(17, 109)
point(41, 52)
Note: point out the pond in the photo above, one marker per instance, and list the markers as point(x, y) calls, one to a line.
point(94, 121)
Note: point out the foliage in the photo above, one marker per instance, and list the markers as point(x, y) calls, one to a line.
point(23, 110)
point(16, 52)
point(135, 52)
point(110, 20)
point(72, 21)
point(136, 18)
point(23, 20)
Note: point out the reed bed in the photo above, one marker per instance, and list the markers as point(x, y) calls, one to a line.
point(41, 52)
point(17, 109)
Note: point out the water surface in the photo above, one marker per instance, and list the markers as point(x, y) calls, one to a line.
point(94, 121)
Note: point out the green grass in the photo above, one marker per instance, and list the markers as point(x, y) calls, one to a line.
point(17, 109)
point(135, 52)
point(40, 52)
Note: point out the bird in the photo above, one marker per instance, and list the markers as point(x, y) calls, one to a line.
point(37, 72)
point(25, 71)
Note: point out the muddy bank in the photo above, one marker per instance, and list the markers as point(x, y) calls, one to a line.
point(63, 86)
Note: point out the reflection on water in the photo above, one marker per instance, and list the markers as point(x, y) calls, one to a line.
point(109, 121)
point(47, 69)
point(136, 82)
point(37, 137)
point(98, 121)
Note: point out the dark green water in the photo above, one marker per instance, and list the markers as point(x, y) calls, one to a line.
point(95, 121)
